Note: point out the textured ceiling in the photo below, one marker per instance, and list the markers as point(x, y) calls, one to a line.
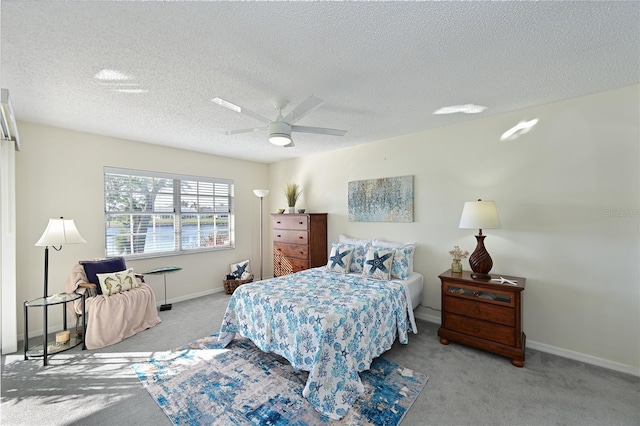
point(381, 67)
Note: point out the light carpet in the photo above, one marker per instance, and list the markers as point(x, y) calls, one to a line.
point(204, 383)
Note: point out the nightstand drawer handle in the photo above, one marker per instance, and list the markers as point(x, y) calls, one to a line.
point(476, 329)
point(475, 293)
point(476, 311)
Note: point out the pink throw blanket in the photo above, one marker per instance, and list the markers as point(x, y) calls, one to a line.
point(111, 319)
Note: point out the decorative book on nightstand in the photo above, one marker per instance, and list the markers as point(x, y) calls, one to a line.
point(299, 242)
point(483, 313)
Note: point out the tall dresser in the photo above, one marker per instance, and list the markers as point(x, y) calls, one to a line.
point(299, 242)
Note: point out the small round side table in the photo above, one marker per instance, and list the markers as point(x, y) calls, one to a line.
point(164, 271)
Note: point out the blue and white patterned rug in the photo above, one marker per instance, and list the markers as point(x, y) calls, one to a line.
point(203, 383)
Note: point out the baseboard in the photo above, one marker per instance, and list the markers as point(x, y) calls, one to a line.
point(190, 296)
point(422, 314)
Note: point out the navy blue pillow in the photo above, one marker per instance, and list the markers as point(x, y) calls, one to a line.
point(93, 267)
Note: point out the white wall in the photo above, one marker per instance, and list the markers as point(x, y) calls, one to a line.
point(60, 173)
point(568, 194)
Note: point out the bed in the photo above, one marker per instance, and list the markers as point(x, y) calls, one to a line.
point(329, 324)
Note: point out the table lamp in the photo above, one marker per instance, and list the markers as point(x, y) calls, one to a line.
point(480, 215)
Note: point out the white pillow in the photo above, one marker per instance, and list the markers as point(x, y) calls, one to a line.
point(378, 262)
point(116, 282)
point(340, 258)
point(242, 270)
point(346, 240)
point(387, 244)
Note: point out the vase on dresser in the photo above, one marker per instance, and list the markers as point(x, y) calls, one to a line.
point(292, 209)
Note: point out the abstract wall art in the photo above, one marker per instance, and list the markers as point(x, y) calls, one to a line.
point(381, 200)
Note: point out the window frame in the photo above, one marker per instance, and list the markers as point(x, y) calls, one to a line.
point(222, 189)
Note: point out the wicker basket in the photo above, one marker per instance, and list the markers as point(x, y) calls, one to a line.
point(231, 285)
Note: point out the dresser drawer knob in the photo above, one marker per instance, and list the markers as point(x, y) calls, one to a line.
point(301, 238)
point(279, 236)
point(278, 222)
point(301, 223)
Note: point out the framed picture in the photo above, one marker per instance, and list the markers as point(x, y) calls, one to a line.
point(381, 200)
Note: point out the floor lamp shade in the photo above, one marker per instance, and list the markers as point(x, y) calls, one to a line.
point(57, 233)
point(261, 193)
point(60, 231)
point(480, 215)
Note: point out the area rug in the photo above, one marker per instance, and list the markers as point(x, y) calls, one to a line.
point(204, 383)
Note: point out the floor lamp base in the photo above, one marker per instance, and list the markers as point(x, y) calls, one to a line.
point(166, 307)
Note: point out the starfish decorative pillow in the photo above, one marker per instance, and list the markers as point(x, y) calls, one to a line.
point(340, 259)
point(242, 270)
point(378, 262)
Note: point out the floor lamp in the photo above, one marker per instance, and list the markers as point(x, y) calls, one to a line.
point(58, 232)
point(261, 193)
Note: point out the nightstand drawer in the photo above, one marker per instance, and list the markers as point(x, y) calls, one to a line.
point(297, 251)
point(481, 329)
point(290, 222)
point(504, 298)
point(479, 310)
point(292, 237)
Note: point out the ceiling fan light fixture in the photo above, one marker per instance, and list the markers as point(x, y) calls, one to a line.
point(279, 133)
point(280, 140)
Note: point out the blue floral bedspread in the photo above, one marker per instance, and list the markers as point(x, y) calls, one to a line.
point(331, 325)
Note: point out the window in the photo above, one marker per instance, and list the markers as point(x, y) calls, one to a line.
point(150, 214)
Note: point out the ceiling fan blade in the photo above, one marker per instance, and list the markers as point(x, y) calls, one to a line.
point(241, 110)
point(235, 132)
point(318, 130)
point(303, 109)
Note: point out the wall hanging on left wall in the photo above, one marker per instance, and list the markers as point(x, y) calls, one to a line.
point(381, 200)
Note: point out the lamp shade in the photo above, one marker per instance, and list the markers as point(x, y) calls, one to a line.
point(261, 192)
point(479, 215)
point(60, 231)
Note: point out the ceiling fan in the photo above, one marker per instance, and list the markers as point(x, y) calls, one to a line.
point(281, 128)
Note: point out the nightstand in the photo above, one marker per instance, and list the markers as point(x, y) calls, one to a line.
point(483, 313)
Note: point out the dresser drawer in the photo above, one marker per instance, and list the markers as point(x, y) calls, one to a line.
point(287, 265)
point(481, 329)
point(297, 251)
point(480, 310)
point(290, 222)
point(292, 237)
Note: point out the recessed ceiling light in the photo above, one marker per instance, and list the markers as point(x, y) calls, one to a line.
point(130, 90)
point(111, 75)
point(518, 130)
point(226, 104)
point(465, 109)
